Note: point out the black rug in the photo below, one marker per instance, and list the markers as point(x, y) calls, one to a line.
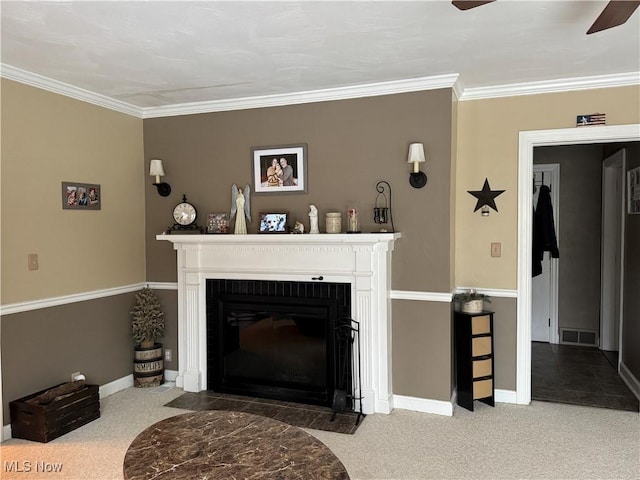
point(296, 414)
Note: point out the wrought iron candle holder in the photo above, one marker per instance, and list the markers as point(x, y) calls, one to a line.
point(382, 212)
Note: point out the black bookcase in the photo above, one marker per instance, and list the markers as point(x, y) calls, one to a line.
point(473, 337)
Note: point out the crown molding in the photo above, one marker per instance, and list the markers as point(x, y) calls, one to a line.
point(45, 83)
point(325, 95)
point(552, 86)
point(458, 88)
point(452, 81)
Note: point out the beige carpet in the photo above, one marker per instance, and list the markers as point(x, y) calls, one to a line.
point(541, 441)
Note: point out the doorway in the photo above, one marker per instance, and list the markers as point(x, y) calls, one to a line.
point(573, 370)
point(527, 141)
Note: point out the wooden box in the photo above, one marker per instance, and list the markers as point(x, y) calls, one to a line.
point(42, 423)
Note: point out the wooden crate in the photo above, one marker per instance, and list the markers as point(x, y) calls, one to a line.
point(42, 423)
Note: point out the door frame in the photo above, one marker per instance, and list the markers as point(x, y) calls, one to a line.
point(527, 141)
point(554, 170)
point(613, 202)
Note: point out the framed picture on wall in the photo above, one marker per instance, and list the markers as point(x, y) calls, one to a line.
point(80, 196)
point(633, 191)
point(279, 169)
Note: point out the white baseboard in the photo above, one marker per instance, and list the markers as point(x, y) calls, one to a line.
point(170, 375)
point(505, 396)
point(115, 386)
point(440, 407)
point(424, 405)
point(629, 378)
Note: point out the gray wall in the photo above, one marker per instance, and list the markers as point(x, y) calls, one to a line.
point(41, 348)
point(631, 311)
point(579, 232)
point(631, 308)
point(351, 145)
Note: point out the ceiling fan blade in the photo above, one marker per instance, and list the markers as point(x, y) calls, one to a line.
point(615, 13)
point(466, 5)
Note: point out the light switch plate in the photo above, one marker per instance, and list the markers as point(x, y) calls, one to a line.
point(496, 249)
point(32, 261)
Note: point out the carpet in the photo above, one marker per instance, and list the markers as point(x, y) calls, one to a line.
point(296, 414)
point(225, 445)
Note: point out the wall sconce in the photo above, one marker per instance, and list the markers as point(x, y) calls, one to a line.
point(417, 179)
point(156, 169)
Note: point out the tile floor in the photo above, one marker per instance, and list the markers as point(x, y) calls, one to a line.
point(578, 375)
point(305, 416)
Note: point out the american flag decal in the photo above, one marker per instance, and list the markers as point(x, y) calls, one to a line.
point(592, 119)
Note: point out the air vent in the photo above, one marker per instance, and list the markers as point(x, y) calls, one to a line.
point(578, 337)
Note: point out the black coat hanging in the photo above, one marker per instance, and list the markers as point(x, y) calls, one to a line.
point(544, 232)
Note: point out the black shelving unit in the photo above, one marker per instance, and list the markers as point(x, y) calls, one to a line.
point(473, 337)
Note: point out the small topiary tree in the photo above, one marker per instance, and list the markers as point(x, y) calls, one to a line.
point(147, 319)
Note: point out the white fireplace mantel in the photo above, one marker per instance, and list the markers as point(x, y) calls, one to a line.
point(363, 260)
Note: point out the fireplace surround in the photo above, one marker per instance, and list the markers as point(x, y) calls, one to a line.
point(363, 261)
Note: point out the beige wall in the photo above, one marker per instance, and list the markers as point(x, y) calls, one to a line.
point(488, 147)
point(48, 139)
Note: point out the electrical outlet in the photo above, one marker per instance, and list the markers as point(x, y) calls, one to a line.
point(496, 249)
point(74, 375)
point(167, 354)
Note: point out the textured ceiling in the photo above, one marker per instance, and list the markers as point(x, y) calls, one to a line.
point(153, 54)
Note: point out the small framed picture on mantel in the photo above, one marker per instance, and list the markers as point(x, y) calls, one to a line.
point(218, 223)
point(273, 222)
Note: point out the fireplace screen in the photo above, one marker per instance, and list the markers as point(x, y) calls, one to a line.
point(277, 342)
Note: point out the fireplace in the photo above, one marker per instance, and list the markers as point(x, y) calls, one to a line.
point(363, 262)
point(276, 339)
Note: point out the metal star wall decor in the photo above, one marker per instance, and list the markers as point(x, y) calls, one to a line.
point(486, 196)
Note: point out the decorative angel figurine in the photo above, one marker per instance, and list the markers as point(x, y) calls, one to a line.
point(240, 207)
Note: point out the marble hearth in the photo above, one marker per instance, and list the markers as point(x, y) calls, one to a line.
point(362, 260)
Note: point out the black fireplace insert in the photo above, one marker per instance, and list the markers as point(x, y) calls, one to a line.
point(275, 339)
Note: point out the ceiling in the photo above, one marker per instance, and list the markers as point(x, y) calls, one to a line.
point(153, 54)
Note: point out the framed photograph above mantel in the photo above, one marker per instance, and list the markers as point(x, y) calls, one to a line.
point(80, 196)
point(279, 169)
